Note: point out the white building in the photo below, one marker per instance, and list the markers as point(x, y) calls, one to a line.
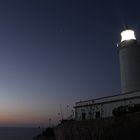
point(129, 99)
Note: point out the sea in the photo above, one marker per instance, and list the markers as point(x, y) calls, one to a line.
point(15, 133)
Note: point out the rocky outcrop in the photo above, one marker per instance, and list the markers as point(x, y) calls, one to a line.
point(115, 128)
point(47, 134)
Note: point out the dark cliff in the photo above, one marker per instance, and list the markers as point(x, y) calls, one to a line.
point(115, 128)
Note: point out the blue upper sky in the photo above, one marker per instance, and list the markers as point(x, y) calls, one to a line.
point(56, 52)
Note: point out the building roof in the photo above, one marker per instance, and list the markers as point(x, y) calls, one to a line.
point(108, 99)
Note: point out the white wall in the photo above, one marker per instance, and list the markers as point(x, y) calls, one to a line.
point(105, 105)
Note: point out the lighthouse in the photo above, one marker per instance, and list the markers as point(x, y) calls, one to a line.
point(129, 57)
point(104, 107)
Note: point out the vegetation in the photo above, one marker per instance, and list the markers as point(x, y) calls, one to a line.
point(123, 110)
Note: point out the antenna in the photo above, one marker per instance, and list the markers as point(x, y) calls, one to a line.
point(50, 122)
point(67, 111)
point(61, 111)
point(125, 26)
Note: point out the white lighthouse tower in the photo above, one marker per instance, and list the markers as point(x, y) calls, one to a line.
point(129, 55)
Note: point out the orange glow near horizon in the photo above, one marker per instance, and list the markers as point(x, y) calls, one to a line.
point(19, 113)
point(18, 119)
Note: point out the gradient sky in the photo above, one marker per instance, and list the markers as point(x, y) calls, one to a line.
point(56, 52)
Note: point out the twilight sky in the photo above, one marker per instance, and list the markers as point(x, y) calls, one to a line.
point(56, 52)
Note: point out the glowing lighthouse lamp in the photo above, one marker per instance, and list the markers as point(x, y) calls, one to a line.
point(127, 34)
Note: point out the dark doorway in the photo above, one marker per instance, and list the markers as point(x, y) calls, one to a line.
point(97, 114)
point(83, 116)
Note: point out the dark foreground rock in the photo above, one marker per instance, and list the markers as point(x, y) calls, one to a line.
point(47, 134)
point(116, 128)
